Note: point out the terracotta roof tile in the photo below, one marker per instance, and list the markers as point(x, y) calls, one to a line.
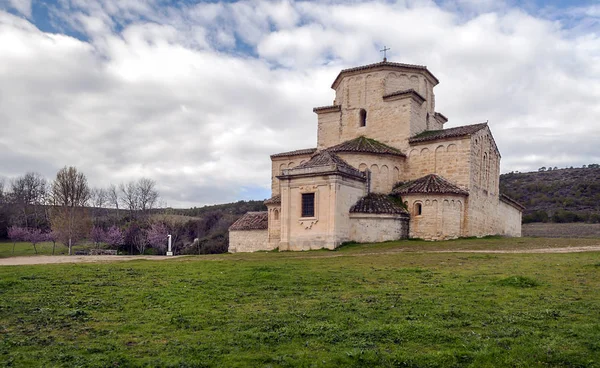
point(324, 161)
point(276, 199)
point(366, 145)
point(378, 204)
point(305, 151)
point(432, 135)
point(430, 184)
point(251, 221)
point(325, 158)
point(381, 64)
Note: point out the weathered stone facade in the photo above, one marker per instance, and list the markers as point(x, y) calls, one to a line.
point(383, 136)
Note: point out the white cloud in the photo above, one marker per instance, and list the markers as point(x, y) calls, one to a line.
point(22, 6)
point(164, 93)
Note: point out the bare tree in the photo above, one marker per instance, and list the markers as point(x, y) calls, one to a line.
point(129, 197)
point(112, 197)
point(147, 194)
point(71, 193)
point(28, 193)
point(139, 196)
point(99, 197)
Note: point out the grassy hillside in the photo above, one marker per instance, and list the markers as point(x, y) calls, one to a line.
point(322, 309)
point(562, 195)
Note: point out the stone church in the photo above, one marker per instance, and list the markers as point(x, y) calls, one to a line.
point(384, 168)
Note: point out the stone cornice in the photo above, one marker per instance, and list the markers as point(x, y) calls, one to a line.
point(404, 94)
point(385, 65)
point(441, 117)
point(325, 109)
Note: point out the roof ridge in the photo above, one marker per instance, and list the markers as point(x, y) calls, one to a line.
point(366, 145)
point(430, 184)
point(454, 132)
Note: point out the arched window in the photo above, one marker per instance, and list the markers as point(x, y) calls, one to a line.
point(363, 117)
point(418, 209)
point(276, 215)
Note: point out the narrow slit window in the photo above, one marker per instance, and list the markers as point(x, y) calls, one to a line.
point(308, 204)
point(363, 117)
point(418, 209)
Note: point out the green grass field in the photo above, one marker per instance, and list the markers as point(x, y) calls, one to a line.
point(363, 306)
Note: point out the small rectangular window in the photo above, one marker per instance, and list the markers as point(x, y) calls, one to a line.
point(308, 204)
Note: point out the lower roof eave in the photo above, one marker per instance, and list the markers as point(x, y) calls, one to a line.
point(321, 173)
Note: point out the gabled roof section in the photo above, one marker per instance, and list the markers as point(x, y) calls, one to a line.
point(376, 203)
point(276, 199)
point(433, 135)
point(325, 158)
point(251, 221)
point(380, 66)
point(306, 151)
point(363, 144)
point(324, 162)
point(508, 200)
point(430, 184)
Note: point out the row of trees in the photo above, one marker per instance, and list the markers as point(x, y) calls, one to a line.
point(550, 168)
point(67, 211)
point(155, 236)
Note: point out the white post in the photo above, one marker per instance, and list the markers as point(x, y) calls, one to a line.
point(169, 252)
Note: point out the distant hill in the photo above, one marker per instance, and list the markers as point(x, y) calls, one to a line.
point(558, 195)
point(235, 208)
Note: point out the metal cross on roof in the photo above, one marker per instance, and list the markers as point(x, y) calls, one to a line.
point(384, 52)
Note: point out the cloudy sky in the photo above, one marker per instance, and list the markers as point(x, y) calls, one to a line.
point(196, 95)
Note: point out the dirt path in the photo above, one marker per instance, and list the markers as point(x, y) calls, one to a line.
point(32, 260)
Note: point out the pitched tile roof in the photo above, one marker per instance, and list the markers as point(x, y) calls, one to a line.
point(325, 158)
point(305, 151)
point(252, 221)
point(324, 161)
point(430, 184)
point(365, 145)
point(378, 204)
point(382, 64)
point(432, 135)
point(276, 199)
point(509, 200)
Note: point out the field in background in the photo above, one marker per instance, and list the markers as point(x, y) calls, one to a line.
point(364, 305)
point(570, 230)
point(44, 249)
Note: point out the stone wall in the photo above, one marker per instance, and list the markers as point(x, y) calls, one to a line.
point(509, 219)
point(248, 241)
point(390, 121)
point(386, 170)
point(372, 228)
point(449, 159)
point(274, 235)
point(280, 163)
point(483, 216)
point(442, 216)
point(334, 195)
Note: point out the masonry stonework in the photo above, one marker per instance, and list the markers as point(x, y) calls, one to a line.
point(248, 241)
point(382, 143)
